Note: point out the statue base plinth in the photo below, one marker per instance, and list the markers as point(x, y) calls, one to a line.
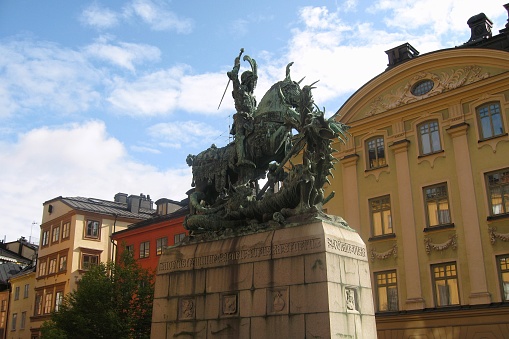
point(306, 281)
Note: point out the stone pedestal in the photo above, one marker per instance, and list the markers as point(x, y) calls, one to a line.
point(308, 281)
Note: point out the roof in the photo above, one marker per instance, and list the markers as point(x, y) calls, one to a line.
point(156, 219)
point(118, 209)
point(9, 256)
point(7, 270)
point(25, 271)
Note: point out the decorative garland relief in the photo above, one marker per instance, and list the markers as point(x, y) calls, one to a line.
point(443, 82)
point(494, 235)
point(384, 255)
point(440, 247)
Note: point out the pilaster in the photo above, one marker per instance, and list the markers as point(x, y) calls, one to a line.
point(475, 258)
point(414, 299)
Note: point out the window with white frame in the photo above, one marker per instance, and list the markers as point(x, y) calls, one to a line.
point(16, 293)
point(161, 243)
point(445, 283)
point(145, 249)
point(52, 266)
point(490, 120)
point(381, 220)
point(45, 238)
point(429, 137)
point(66, 227)
point(26, 291)
point(88, 260)
point(42, 268)
point(436, 200)
point(56, 234)
point(92, 230)
point(59, 297)
point(497, 184)
point(62, 264)
point(387, 291)
point(375, 150)
point(47, 302)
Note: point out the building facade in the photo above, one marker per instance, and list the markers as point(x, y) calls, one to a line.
point(147, 239)
point(21, 304)
point(75, 234)
point(424, 178)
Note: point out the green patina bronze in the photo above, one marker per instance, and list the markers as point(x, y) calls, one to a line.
point(226, 195)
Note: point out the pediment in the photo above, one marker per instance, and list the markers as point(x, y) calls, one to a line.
point(418, 80)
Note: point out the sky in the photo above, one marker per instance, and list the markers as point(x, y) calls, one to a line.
point(100, 97)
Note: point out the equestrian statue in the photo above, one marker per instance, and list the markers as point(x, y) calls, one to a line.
point(226, 195)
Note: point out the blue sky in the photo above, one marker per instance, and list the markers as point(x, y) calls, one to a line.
point(100, 97)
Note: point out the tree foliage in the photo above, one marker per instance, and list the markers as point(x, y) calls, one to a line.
point(112, 300)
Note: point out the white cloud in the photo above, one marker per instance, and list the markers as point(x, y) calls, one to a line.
point(152, 94)
point(183, 133)
point(145, 149)
point(44, 75)
point(165, 91)
point(440, 17)
point(123, 54)
point(99, 17)
point(74, 160)
point(157, 16)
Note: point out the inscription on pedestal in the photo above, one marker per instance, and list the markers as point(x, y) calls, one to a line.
point(255, 253)
point(345, 248)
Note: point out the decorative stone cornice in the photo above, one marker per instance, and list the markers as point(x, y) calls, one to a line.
point(494, 235)
point(440, 247)
point(443, 82)
point(384, 255)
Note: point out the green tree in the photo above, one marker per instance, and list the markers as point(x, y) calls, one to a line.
point(112, 300)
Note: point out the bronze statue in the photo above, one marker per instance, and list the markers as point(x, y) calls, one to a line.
point(245, 104)
point(226, 195)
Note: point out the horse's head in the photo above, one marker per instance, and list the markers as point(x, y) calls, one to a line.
point(283, 94)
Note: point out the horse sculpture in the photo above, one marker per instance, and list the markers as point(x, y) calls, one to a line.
point(226, 194)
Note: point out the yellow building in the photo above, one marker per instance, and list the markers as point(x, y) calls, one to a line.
point(21, 304)
point(424, 179)
point(76, 233)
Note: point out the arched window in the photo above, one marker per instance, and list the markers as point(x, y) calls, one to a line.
point(375, 152)
point(490, 120)
point(429, 137)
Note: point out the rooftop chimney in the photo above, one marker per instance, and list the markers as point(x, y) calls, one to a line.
point(401, 54)
point(506, 29)
point(480, 28)
point(145, 202)
point(120, 197)
point(133, 203)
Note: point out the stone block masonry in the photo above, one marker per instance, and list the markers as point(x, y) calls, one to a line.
point(307, 281)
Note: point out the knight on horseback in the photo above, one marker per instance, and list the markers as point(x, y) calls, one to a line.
point(245, 104)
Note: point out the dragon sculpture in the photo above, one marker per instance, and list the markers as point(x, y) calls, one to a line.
point(226, 193)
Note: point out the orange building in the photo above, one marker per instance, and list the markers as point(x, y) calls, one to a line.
point(147, 239)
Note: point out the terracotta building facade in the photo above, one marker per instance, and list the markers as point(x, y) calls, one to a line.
point(147, 239)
